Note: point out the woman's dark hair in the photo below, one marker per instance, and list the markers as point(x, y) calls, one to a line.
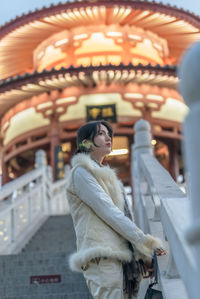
point(88, 131)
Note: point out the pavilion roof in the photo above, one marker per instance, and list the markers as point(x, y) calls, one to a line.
point(15, 89)
point(20, 37)
point(52, 8)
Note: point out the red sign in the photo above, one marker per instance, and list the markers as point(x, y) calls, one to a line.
point(45, 279)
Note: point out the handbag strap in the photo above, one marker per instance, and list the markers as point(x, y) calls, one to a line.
point(155, 265)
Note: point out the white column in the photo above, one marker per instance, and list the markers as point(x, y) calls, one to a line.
point(189, 73)
point(40, 159)
point(142, 144)
point(41, 162)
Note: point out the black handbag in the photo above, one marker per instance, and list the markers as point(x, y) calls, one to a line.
point(152, 293)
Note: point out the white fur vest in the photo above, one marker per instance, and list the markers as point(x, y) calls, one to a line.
point(94, 237)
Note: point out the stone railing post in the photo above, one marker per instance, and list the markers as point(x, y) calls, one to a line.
point(40, 159)
point(189, 74)
point(49, 190)
point(41, 162)
point(142, 144)
point(49, 173)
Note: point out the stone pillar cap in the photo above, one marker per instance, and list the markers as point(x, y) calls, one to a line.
point(142, 125)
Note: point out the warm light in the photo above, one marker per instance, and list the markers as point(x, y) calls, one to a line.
point(153, 142)
point(11, 175)
point(66, 147)
point(60, 109)
point(5, 126)
point(40, 55)
point(117, 34)
point(134, 95)
point(80, 36)
point(147, 42)
point(65, 100)
point(64, 15)
point(61, 42)
point(42, 82)
point(116, 152)
point(133, 36)
point(157, 46)
point(157, 128)
point(89, 11)
point(154, 97)
point(49, 112)
point(44, 105)
point(71, 15)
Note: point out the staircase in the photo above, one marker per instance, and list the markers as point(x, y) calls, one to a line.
point(41, 269)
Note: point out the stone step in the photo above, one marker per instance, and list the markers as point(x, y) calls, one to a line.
point(12, 273)
point(46, 289)
point(33, 258)
point(25, 277)
point(76, 295)
point(37, 264)
point(57, 234)
point(47, 247)
point(46, 254)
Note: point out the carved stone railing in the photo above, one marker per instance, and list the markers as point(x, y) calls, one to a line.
point(26, 202)
point(162, 209)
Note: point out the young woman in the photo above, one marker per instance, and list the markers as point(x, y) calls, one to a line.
point(110, 248)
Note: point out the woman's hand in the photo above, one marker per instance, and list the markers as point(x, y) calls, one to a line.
point(149, 265)
point(148, 269)
point(161, 251)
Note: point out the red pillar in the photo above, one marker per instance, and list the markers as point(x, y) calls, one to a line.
point(4, 169)
point(55, 141)
point(173, 159)
point(4, 166)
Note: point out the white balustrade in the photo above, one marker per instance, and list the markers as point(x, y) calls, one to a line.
point(160, 206)
point(141, 145)
point(26, 202)
point(189, 73)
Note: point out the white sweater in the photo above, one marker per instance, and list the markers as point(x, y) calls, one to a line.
point(96, 203)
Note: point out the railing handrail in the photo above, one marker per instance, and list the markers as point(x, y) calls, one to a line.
point(156, 191)
point(174, 213)
point(20, 182)
point(57, 184)
point(26, 203)
point(159, 178)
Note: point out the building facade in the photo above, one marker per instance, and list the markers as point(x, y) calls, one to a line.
point(85, 60)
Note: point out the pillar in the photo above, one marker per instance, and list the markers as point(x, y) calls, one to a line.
point(142, 144)
point(173, 159)
point(54, 142)
point(189, 74)
point(4, 169)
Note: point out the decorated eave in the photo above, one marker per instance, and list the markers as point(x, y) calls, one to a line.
point(55, 10)
point(15, 89)
point(20, 37)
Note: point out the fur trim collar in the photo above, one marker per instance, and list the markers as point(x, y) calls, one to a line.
point(105, 175)
point(87, 162)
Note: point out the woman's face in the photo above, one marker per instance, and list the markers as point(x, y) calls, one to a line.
point(103, 142)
